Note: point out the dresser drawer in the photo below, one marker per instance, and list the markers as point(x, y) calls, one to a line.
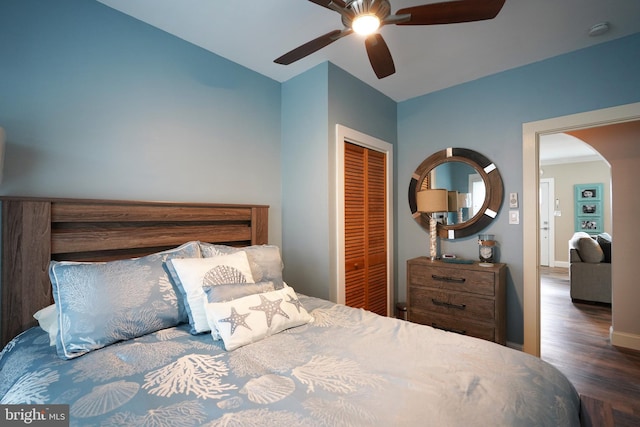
point(464, 305)
point(459, 279)
point(453, 324)
point(466, 298)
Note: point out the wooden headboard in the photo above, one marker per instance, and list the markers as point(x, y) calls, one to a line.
point(36, 230)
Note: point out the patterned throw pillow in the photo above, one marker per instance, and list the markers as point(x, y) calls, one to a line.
point(191, 274)
point(105, 302)
point(229, 292)
point(255, 317)
point(224, 293)
point(265, 260)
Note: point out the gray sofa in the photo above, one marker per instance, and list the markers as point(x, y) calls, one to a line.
point(590, 267)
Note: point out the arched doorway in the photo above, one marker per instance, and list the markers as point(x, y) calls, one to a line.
point(531, 177)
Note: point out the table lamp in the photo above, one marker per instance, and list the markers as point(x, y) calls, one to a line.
point(430, 202)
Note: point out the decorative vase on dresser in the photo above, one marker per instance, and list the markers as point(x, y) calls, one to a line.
point(465, 298)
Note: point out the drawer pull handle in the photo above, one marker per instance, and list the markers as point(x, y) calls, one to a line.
point(442, 328)
point(448, 304)
point(448, 279)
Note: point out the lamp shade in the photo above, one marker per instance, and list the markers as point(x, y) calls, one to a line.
point(452, 201)
point(464, 200)
point(433, 200)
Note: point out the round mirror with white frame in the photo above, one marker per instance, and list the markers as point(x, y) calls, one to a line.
point(474, 187)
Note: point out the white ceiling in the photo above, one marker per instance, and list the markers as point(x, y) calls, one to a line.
point(253, 33)
point(560, 148)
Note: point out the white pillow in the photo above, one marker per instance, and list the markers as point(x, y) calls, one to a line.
point(48, 320)
point(191, 274)
point(265, 260)
point(255, 317)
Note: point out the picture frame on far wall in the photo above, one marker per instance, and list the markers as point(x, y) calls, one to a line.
point(588, 192)
point(588, 211)
point(590, 225)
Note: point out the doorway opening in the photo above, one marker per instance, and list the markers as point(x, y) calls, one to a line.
point(567, 161)
point(531, 178)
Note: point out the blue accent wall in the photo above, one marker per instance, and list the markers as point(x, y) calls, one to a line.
point(356, 105)
point(97, 104)
point(487, 115)
point(312, 104)
point(305, 184)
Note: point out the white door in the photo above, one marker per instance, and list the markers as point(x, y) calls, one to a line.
point(545, 222)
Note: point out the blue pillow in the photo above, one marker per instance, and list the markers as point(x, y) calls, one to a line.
point(104, 302)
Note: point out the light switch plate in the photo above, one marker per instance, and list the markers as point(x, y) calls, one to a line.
point(514, 217)
point(513, 200)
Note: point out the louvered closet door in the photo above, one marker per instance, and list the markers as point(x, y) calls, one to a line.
point(365, 229)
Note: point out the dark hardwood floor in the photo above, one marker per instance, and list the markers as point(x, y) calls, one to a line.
point(575, 339)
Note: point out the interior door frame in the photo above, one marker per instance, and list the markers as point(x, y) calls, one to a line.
point(531, 133)
point(345, 134)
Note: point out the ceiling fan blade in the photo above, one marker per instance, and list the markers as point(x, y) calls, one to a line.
point(451, 12)
point(379, 56)
point(311, 47)
point(325, 3)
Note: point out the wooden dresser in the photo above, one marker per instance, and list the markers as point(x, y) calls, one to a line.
point(463, 298)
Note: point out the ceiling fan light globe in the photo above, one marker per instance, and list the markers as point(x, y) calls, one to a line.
point(365, 24)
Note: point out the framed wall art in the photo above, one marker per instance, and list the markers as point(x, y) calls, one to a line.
point(590, 225)
point(588, 207)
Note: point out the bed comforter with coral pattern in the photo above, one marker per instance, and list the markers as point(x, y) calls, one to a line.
point(348, 368)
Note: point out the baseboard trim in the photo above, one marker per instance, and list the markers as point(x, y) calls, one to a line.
point(624, 339)
point(563, 264)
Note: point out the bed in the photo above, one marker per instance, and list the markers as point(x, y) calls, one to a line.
point(270, 356)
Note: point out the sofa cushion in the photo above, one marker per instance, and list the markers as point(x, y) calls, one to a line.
point(590, 250)
point(604, 240)
point(573, 243)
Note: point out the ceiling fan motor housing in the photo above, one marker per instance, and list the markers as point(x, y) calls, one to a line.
point(355, 8)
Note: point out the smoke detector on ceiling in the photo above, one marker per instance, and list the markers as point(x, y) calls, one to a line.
point(599, 29)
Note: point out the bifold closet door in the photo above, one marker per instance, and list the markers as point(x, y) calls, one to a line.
point(365, 229)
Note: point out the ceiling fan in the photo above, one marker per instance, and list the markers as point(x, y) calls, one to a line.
point(366, 16)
